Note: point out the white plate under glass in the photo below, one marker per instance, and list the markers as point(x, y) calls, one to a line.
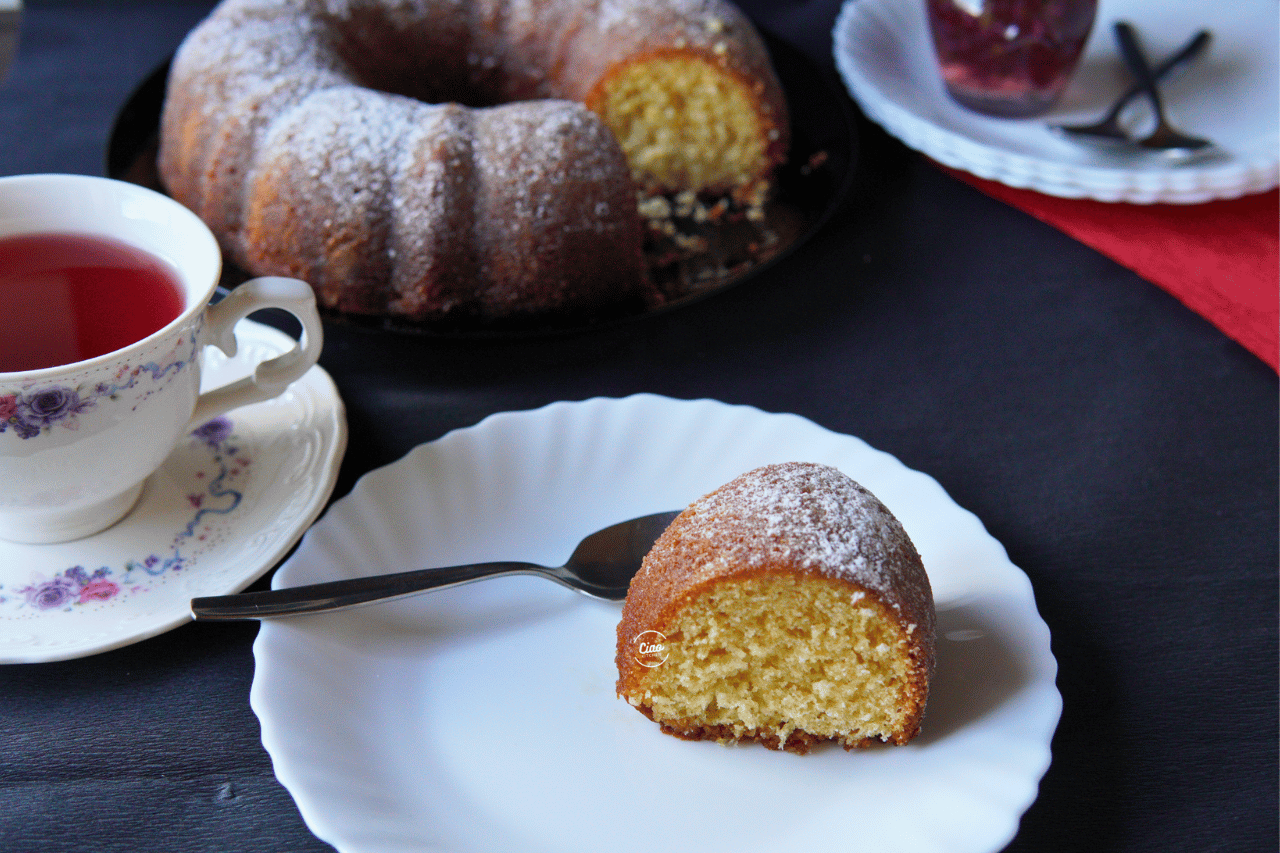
point(1230, 94)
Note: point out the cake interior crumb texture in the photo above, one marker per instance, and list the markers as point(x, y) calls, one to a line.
point(684, 123)
point(786, 660)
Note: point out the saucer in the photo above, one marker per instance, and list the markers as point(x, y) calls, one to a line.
point(223, 508)
point(883, 52)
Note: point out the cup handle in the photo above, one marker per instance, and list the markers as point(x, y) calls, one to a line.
point(270, 377)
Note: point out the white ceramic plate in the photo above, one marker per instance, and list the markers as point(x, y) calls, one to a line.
point(884, 53)
point(483, 718)
point(224, 507)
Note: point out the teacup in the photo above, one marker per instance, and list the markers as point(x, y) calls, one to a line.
point(79, 439)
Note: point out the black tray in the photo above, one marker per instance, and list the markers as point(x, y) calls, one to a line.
point(809, 188)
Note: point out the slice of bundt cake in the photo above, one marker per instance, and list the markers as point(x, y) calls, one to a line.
point(787, 607)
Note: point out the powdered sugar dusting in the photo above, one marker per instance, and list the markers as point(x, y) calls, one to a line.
point(817, 519)
point(291, 96)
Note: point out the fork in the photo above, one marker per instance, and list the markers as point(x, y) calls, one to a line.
point(1109, 128)
point(1165, 138)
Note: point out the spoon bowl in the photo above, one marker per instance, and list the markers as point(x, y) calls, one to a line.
point(601, 567)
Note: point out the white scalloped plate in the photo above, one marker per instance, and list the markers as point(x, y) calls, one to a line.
point(483, 718)
point(1230, 94)
point(223, 508)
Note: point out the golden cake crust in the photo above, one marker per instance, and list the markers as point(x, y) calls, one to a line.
point(370, 146)
point(796, 520)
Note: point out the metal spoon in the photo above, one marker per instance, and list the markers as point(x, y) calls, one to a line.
point(1109, 129)
point(601, 566)
point(1165, 138)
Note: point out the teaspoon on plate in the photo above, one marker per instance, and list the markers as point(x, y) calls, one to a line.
point(601, 567)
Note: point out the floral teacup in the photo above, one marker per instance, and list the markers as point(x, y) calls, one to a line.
point(78, 440)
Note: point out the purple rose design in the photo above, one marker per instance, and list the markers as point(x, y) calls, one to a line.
point(51, 594)
point(42, 408)
point(213, 432)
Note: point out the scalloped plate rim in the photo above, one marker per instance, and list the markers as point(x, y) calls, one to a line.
point(147, 617)
point(358, 814)
point(931, 124)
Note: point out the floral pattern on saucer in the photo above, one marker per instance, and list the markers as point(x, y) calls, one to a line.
point(76, 586)
point(281, 457)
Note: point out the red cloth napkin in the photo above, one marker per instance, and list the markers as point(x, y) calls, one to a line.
point(1220, 258)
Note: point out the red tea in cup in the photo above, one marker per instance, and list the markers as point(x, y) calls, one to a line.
point(112, 284)
point(69, 297)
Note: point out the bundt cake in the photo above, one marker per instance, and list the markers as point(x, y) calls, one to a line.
point(434, 158)
point(788, 607)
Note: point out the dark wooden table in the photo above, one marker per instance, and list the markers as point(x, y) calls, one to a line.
point(1122, 449)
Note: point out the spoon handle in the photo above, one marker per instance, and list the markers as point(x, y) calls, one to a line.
point(337, 595)
point(1138, 65)
point(1193, 48)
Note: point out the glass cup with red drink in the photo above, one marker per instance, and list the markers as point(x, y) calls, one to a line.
point(1009, 58)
